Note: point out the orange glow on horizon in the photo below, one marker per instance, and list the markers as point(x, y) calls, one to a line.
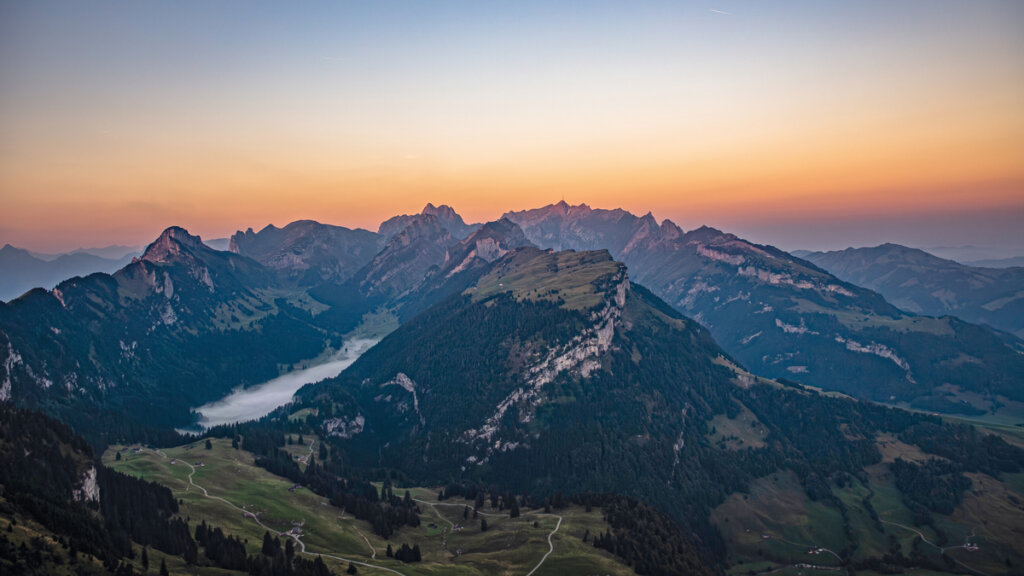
point(828, 114)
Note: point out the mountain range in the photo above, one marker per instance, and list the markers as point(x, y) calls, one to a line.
point(554, 372)
point(561, 350)
point(95, 339)
point(784, 317)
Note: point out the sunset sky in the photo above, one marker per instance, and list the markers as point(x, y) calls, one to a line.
point(817, 124)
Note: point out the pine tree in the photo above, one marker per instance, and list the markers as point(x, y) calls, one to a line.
point(352, 569)
point(209, 445)
point(268, 545)
point(483, 524)
point(319, 567)
point(465, 513)
point(514, 510)
point(390, 553)
point(145, 559)
point(163, 568)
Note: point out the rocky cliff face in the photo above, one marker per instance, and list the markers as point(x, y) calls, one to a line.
point(174, 243)
point(488, 243)
point(407, 259)
point(89, 490)
point(579, 357)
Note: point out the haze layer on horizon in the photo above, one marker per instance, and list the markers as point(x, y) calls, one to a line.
point(802, 124)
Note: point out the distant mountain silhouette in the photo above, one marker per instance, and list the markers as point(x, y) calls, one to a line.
point(919, 282)
point(20, 270)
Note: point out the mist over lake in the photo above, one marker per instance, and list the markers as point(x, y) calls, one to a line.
point(259, 400)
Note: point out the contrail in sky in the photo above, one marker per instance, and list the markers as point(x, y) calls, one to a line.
point(721, 12)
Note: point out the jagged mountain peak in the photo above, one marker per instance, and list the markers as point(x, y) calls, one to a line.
point(670, 230)
point(445, 214)
point(172, 244)
point(443, 211)
point(580, 227)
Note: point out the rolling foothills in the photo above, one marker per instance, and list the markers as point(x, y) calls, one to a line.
point(563, 390)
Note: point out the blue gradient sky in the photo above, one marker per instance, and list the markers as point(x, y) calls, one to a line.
point(887, 121)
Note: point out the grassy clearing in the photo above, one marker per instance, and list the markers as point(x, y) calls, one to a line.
point(301, 414)
point(743, 431)
point(507, 547)
point(872, 540)
point(861, 321)
point(513, 546)
point(888, 503)
point(374, 326)
point(893, 448)
point(777, 522)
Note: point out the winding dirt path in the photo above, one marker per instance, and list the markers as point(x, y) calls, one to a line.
point(254, 518)
point(940, 548)
point(373, 551)
point(302, 545)
point(305, 459)
point(551, 545)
